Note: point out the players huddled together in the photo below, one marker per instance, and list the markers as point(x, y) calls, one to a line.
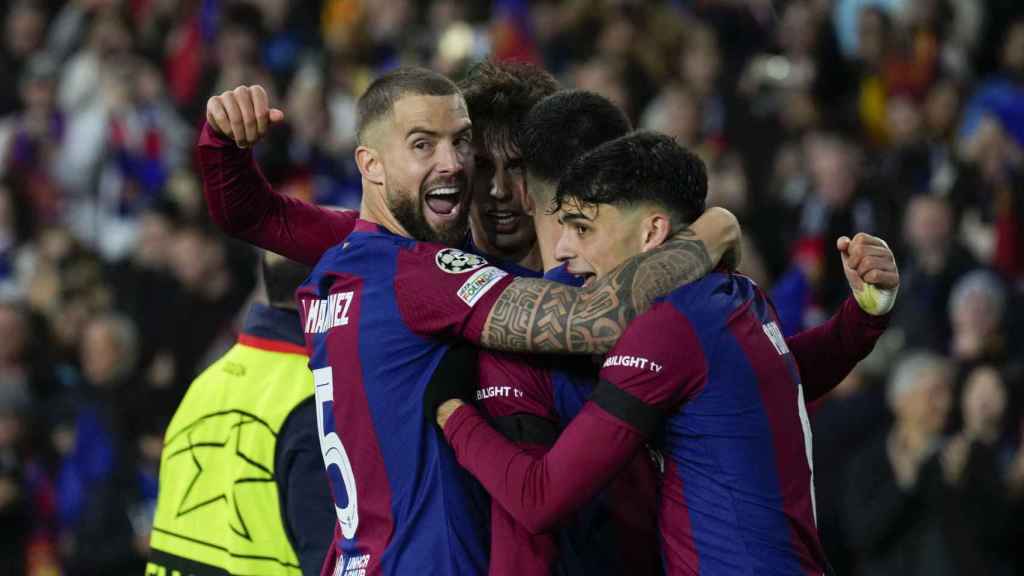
point(532, 349)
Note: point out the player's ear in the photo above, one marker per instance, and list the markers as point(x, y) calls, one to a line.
point(370, 166)
point(655, 229)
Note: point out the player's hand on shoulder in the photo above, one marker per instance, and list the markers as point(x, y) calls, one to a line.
point(243, 114)
point(871, 271)
point(722, 236)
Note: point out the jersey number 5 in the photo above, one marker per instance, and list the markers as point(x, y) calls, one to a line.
point(334, 453)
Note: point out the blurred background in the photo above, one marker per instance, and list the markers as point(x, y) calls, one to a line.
point(817, 118)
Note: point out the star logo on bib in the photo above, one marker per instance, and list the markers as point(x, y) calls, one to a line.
point(228, 456)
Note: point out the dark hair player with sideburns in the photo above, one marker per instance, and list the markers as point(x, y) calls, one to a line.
point(381, 309)
point(706, 370)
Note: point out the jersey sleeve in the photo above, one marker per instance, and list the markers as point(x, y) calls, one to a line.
point(443, 291)
point(539, 491)
point(511, 384)
point(827, 353)
point(243, 204)
point(514, 549)
point(656, 364)
point(658, 361)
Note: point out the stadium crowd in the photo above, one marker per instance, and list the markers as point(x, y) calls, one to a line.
point(816, 118)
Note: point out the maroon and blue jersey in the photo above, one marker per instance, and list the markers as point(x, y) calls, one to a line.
point(737, 495)
point(530, 398)
point(377, 311)
point(707, 374)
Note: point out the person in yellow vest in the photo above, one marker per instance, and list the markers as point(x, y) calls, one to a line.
point(242, 483)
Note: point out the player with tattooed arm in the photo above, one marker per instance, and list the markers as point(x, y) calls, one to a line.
point(705, 373)
point(529, 399)
point(380, 310)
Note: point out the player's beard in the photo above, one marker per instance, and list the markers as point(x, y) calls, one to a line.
point(408, 210)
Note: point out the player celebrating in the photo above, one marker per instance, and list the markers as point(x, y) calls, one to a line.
point(243, 204)
point(529, 400)
point(737, 495)
point(498, 97)
point(377, 307)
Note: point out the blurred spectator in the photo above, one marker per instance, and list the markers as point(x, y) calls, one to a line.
point(700, 71)
point(940, 114)
point(66, 286)
point(108, 40)
point(976, 310)
point(984, 406)
point(836, 207)
point(728, 188)
point(992, 146)
point(985, 189)
point(675, 112)
point(98, 483)
point(918, 504)
point(1000, 94)
point(605, 77)
point(932, 263)
point(874, 33)
point(144, 277)
point(842, 423)
point(980, 457)
point(850, 24)
point(214, 283)
point(31, 140)
point(122, 147)
point(17, 248)
point(23, 32)
point(797, 294)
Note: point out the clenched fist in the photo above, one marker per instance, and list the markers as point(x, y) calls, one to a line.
point(242, 114)
point(870, 269)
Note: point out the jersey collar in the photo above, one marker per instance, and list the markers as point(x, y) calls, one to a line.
point(274, 329)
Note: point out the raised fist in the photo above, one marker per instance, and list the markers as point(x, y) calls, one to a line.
point(870, 269)
point(242, 114)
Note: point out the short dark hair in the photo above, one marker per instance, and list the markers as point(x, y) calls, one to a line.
point(281, 278)
point(498, 97)
point(638, 168)
point(380, 97)
point(565, 125)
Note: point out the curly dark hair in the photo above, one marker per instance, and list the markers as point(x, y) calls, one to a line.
point(498, 97)
point(642, 167)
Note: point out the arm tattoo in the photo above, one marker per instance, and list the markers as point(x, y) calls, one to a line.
point(534, 315)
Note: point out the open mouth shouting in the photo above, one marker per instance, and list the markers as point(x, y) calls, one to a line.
point(444, 203)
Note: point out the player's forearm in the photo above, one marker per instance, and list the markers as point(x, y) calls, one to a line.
point(541, 316)
point(237, 194)
point(243, 204)
point(538, 491)
point(826, 354)
point(515, 551)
